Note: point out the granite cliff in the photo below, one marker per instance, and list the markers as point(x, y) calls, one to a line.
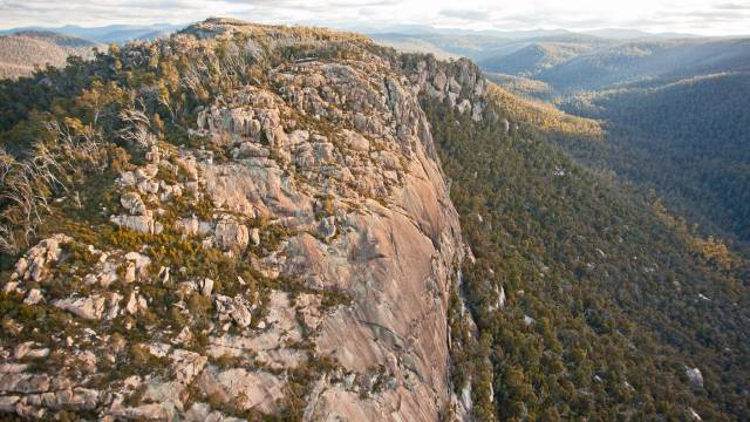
point(251, 221)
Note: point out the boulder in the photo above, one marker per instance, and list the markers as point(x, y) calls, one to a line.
point(355, 141)
point(248, 389)
point(33, 265)
point(235, 309)
point(207, 287)
point(440, 81)
point(88, 361)
point(24, 383)
point(34, 297)
point(136, 304)
point(187, 365)
point(133, 203)
point(8, 403)
point(146, 412)
point(252, 150)
point(454, 86)
point(22, 349)
point(298, 137)
point(91, 307)
point(464, 106)
point(255, 236)
point(192, 226)
point(695, 376)
point(141, 223)
point(229, 234)
point(139, 265)
point(201, 412)
point(184, 338)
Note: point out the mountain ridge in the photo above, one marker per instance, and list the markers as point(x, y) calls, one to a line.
point(22, 52)
point(229, 264)
point(105, 34)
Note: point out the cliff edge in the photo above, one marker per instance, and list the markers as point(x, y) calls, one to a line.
point(263, 228)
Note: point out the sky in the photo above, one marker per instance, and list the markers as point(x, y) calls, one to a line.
point(703, 17)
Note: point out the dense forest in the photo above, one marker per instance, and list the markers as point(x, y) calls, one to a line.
point(672, 113)
point(686, 140)
point(589, 302)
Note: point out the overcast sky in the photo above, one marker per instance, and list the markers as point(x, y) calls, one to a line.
point(707, 17)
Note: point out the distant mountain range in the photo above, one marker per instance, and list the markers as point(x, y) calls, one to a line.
point(613, 33)
point(495, 45)
point(21, 52)
point(574, 60)
point(395, 34)
point(106, 34)
point(586, 66)
point(21, 49)
point(632, 34)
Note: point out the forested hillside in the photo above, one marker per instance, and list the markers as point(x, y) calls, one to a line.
point(687, 140)
point(589, 302)
point(20, 53)
point(644, 60)
point(534, 58)
point(674, 115)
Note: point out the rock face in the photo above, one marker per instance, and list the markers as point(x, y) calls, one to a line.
point(326, 186)
point(460, 82)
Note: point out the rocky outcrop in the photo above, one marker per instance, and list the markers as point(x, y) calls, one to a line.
point(461, 83)
point(230, 234)
point(322, 184)
point(34, 265)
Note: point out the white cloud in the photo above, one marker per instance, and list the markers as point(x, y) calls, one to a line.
point(711, 17)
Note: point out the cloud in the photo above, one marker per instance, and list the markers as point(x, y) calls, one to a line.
point(705, 16)
point(87, 13)
point(732, 6)
point(466, 15)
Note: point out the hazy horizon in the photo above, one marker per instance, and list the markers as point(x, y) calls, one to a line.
point(707, 18)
